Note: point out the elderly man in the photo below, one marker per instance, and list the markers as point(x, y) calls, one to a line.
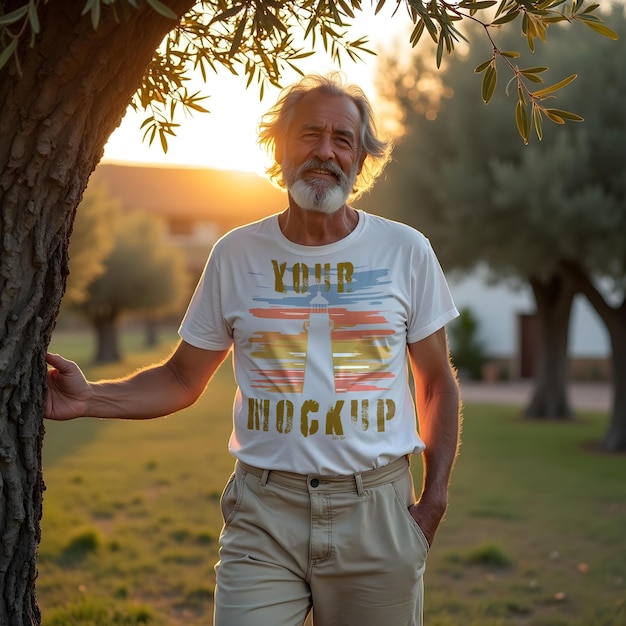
point(321, 304)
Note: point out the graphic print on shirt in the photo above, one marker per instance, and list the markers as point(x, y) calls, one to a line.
point(324, 329)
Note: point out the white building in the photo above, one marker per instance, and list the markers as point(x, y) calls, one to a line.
point(498, 308)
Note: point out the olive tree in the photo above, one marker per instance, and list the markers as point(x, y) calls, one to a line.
point(68, 72)
point(551, 215)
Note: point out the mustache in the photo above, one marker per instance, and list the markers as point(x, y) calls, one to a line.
point(318, 164)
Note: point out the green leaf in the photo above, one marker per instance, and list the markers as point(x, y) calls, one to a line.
point(164, 10)
point(379, 6)
point(477, 5)
point(591, 7)
point(510, 54)
point(33, 18)
point(507, 17)
point(572, 117)
point(601, 29)
point(551, 116)
point(440, 50)
point(533, 70)
point(347, 9)
point(417, 33)
point(537, 121)
point(553, 19)
point(238, 37)
point(555, 87)
point(490, 80)
point(528, 28)
point(13, 16)
point(93, 8)
point(521, 121)
point(163, 138)
point(483, 66)
point(6, 54)
point(192, 104)
point(226, 15)
point(507, 89)
point(532, 77)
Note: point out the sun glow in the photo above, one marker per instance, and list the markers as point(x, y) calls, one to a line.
point(226, 138)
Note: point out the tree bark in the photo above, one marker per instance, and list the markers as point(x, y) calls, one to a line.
point(54, 121)
point(614, 318)
point(553, 298)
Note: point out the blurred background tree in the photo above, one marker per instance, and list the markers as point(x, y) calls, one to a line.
point(92, 241)
point(551, 214)
point(142, 274)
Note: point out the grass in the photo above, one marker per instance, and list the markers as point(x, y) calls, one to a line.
point(535, 534)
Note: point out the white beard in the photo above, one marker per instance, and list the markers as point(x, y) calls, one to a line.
point(310, 198)
point(319, 195)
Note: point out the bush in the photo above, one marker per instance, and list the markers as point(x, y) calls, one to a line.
point(81, 544)
point(467, 350)
point(488, 554)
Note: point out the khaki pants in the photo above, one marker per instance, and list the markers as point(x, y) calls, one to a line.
point(345, 547)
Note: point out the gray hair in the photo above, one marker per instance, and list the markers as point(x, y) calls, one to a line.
point(275, 125)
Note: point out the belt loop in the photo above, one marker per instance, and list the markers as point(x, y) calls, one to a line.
point(358, 479)
point(263, 479)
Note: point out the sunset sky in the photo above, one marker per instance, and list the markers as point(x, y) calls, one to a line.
point(225, 138)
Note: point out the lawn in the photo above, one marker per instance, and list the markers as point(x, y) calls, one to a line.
point(535, 534)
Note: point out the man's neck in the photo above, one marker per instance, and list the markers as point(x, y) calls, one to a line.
point(313, 228)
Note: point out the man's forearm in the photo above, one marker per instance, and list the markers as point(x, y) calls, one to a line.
point(439, 418)
point(153, 392)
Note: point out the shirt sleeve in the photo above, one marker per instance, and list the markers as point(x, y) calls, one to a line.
point(432, 304)
point(203, 325)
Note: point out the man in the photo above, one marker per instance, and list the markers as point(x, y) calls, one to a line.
point(320, 304)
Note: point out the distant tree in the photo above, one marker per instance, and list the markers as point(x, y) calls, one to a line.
point(91, 241)
point(142, 274)
point(68, 71)
point(533, 213)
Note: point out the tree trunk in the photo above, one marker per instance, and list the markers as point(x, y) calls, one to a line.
point(554, 299)
point(614, 319)
point(151, 327)
point(54, 121)
point(614, 439)
point(107, 337)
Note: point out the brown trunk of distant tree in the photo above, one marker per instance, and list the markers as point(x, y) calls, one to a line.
point(614, 318)
point(614, 439)
point(54, 121)
point(107, 337)
point(151, 327)
point(553, 297)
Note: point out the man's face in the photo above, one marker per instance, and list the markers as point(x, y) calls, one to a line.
point(321, 153)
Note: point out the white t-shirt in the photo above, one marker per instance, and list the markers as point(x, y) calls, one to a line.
point(319, 336)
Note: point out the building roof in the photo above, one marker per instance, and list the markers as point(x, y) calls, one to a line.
point(221, 196)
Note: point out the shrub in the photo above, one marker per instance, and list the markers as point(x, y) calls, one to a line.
point(487, 554)
point(81, 544)
point(467, 350)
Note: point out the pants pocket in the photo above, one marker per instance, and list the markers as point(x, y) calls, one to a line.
point(230, 500)
point(405, 499)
